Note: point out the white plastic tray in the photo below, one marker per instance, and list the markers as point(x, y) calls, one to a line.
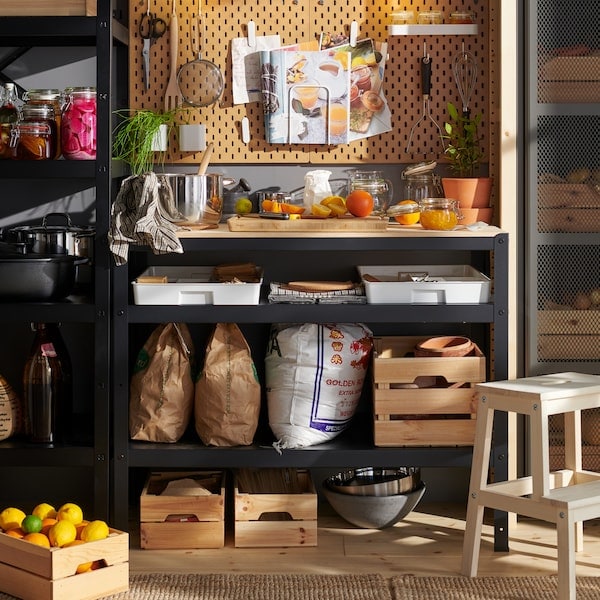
point(192, 285)
point(425, 284)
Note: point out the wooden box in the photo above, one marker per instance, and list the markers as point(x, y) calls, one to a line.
point(273, 520)
point(48, 8)
point(567, 333)
point(32, 572)
point(423, 401)
point(183, 521)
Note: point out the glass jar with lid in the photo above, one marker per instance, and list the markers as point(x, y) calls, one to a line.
point(377, 185)
point(420, 182)
point(403, 17)
point(42, 113)
point(78, 125)
point(32, 140)
point(430, 17)
point(440, 214)
point(53, 97)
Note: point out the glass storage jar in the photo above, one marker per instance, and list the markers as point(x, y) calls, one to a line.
point(430, 17)
point(440, 214)
point(42, 113)
point(421, 182)
point(44, 97)
point(78, 125)
point(403, 17)
point(32, 140)
point(377, 185)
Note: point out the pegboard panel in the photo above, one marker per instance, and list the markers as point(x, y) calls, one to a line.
point(300, 20)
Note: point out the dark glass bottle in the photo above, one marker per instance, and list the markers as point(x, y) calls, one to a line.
point(47, 387)
point(9, 115)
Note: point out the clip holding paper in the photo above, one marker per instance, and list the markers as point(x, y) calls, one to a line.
point(251, 34)
point(353, 33)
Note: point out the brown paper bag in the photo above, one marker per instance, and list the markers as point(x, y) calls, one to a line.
point(161, 395)
point(227, 401)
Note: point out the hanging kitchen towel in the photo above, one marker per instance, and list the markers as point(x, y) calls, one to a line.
point(137, 218)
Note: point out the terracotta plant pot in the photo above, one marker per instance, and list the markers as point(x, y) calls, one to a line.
point(471, 192)
point(475, 215)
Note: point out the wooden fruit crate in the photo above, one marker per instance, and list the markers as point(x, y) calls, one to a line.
point(32, 572)
point(48, 8)
point(273, 520)
point(408, 411)
point(179, 521)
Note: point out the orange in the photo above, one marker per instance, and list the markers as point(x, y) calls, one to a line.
point(38, 538)
point(292, 209)
point(46, 524)
point(80, 528)
point(409, 218)
point(359, 203)
point(17, 532)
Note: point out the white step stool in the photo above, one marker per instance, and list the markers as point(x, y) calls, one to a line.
point(567, 497)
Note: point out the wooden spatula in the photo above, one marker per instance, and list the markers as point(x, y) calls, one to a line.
point(172, 93)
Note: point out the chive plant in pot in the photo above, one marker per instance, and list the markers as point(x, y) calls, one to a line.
point(465, 154)
point(139, 136)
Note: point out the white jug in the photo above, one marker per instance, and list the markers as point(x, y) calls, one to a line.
point(316, 187)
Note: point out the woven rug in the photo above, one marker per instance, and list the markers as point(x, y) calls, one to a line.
point(408, 587)
point(255, 587)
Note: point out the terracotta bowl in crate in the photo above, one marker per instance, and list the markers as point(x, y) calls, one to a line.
point(446, 345)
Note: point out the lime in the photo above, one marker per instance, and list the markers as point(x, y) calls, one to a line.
point(243, 206)
point(31, 524)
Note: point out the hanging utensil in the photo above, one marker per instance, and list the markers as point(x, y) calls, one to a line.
point(464, 67)
point(426, 91)
point(172, 95)
point(200, 81)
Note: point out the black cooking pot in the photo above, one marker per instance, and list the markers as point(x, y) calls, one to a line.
point(35, 277)
point(56, 239)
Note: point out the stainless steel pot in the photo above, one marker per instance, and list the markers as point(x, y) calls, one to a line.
point(65, 238)
point(192, 199)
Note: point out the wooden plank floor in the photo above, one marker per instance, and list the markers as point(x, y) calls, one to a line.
point(427, 542)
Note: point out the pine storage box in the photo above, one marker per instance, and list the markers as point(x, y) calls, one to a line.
point(423, 401)
point(48, 8)
point(424, 284)
point(33, 572)
point(276, 519)
point(176, 520)
point(181, 286)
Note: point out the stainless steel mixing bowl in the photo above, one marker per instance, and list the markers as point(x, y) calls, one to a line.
point(373, 481)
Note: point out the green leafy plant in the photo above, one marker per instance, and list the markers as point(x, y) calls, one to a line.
point(133, 137)
point(463, 149)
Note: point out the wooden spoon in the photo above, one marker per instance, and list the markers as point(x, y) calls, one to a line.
point(205, 159)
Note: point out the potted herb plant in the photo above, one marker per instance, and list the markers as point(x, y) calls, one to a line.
point(139, 135)
point(465, 154)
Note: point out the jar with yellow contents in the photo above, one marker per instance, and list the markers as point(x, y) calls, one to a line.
point(441, 214)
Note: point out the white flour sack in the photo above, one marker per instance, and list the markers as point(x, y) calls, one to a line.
point(314, 377)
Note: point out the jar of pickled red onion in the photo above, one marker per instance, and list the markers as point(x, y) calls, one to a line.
point(78, 124)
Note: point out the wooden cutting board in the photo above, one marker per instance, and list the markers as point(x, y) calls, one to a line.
point(307, 224)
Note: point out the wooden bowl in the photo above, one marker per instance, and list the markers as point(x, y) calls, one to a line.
point(447, 345)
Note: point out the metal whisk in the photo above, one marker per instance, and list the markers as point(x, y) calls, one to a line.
point(464, 67)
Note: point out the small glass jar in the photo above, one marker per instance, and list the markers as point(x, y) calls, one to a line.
point(441, 214)
point(462, 17)
point(375, 183)
point(32, 140)
point(42, 113)
point(430, 17)
point(403, 17)
point(44, 97)
point(421, 182)
point(78, 126)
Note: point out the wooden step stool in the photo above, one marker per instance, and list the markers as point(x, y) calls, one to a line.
point(567, 497)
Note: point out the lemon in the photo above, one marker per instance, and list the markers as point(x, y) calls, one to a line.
point(44, 511)
point(243, 206)
point(11, 517)
point(70, 512)
point(94, 530)
point(358, 61)
point(31, 524)
point(333, 200)
point(62, 533)
point(319, 210)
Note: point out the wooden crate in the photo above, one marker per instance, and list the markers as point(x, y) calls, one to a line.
point(177, 521)
point(408, 415)
point(274, 520)
point(35, 573)
point(48, 8)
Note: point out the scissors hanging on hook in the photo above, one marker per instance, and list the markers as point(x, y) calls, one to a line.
point(151, 28)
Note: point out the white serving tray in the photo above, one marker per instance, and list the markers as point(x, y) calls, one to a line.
point(190, 286)
point(425, 284)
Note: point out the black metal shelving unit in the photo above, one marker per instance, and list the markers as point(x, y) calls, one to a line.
point(109, 36)
point(295, 256)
